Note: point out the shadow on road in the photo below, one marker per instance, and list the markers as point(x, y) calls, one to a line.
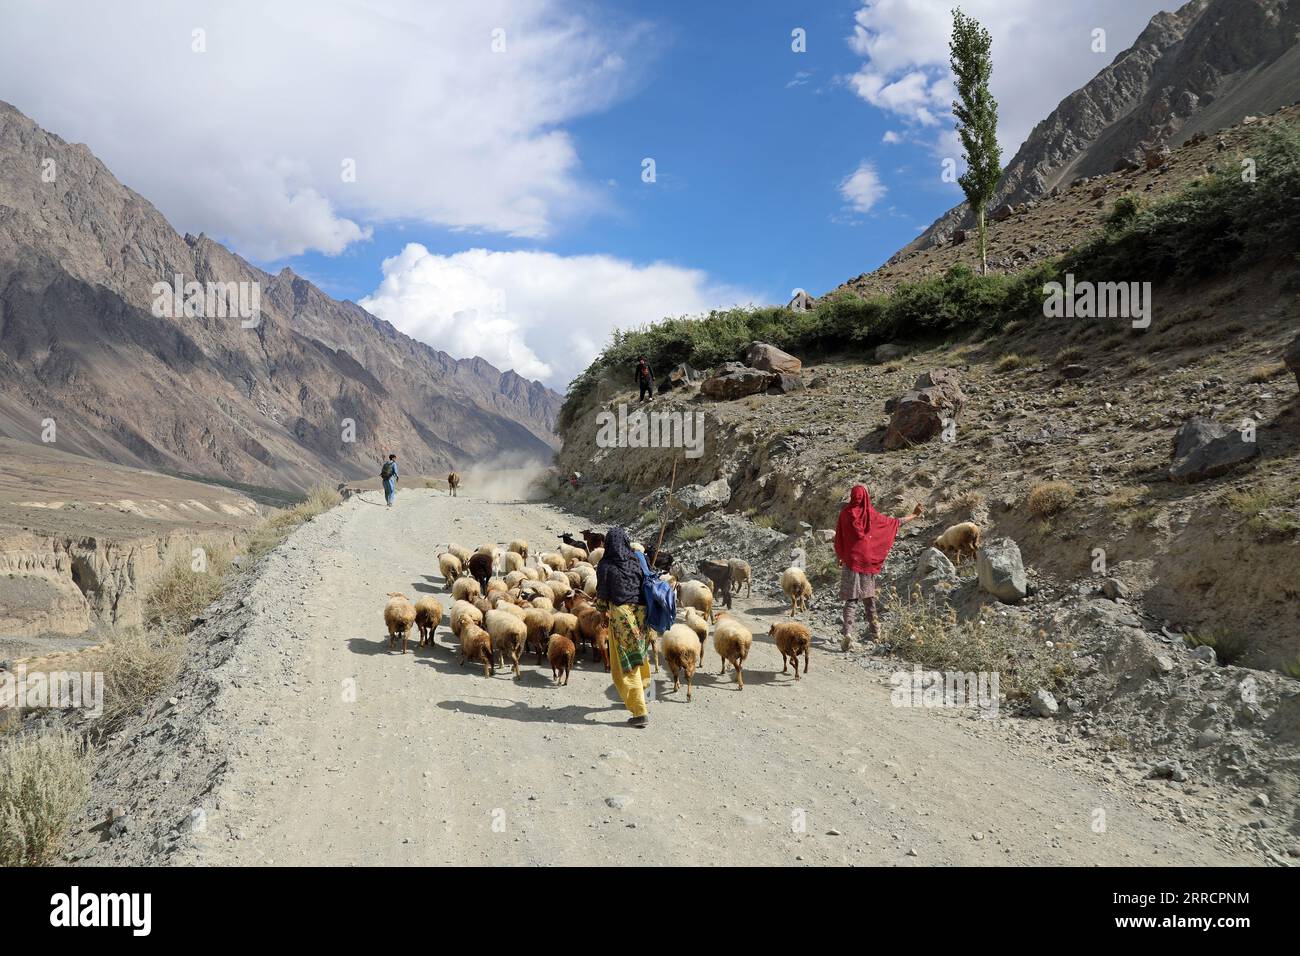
point(524, 713)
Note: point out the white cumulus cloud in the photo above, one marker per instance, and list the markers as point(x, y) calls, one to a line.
point(862, 188)
point(544, 315)
point(236, 117)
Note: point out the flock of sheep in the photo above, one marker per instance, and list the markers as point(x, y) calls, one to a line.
point(506, 603)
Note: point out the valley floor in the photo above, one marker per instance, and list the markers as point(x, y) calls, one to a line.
point(431, 763)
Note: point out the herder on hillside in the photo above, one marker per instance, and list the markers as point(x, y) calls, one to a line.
point(644, 379)
point(863, 539)
point(388, 475)
point(618, 594)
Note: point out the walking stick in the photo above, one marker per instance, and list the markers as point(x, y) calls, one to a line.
point(663, 525)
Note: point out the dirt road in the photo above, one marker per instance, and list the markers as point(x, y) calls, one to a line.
point(431, 763)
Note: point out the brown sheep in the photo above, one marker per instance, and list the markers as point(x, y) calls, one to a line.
point(539, 623)
point(791, 639)
point(682, 650)
point(593, 627)
point(476, 645)
point(480, 568)
point(453, 482)
point(428, 615)
point(399, 615)
point(732, 640)
point(461, 552)
point(519, 547)
point(958, 540)
point(561, 653)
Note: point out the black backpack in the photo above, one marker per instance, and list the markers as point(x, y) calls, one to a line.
point(387, 471)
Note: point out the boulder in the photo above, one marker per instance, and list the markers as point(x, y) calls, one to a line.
point(1206, 449)
point(958, 237)
point(733, 380)
point(889, 351)
point(1001, 570)
point(1292, 358)
point(769, 358)
point(1074, 371)
point(783, 384)
point(697, 499)
point(1155, 158)
point(918, 415)
point(680, 375)
point(1043, 702)
point(1002, 213)
point(934, 571)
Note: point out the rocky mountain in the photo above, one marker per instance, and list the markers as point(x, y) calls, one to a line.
point(311, 389)
point(1198, 69)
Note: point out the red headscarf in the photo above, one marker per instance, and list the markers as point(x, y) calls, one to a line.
point(863, 536)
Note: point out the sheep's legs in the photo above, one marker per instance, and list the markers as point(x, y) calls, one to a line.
point(805, 661)
point(794, 659)
point(740, 675)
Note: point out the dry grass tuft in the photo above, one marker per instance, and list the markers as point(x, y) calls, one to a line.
point(1048, 498)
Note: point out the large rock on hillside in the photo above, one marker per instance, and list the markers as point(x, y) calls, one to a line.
point(1001, 570)
point(1205, 449)
point(1292, 358)
point(733, 380)
point(697, 499)
point(680, 376)
point(918, 415)
point(934, 571)
point(769, 358)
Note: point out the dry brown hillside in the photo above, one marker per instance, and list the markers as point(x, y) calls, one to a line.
point(1043, 228)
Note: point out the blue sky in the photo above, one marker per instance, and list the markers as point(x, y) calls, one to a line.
point(498, 206)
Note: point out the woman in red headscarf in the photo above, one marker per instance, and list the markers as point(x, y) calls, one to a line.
point(863, 537)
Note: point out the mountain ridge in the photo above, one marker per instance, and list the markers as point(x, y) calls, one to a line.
point(80, 253)
point(1193, 70)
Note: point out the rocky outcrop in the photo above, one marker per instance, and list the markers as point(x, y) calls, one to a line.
point(1190, 72)
point(314, 390)
point(1204, 449)
point(696, 499)
point(919, 415)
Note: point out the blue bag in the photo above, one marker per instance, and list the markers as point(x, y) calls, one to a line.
point(660, 600)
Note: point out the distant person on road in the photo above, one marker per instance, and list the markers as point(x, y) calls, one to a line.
point(619, 596)
point(644, 379)
point(388, 475)
point(863, 539)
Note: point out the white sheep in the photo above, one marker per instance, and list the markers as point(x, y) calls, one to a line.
point(794, 582)
point(732, 640)
point(509, 636)
point(682, 650)
point(450, 567)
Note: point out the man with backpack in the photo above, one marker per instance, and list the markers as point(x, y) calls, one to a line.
point(644, 379)
point(388, 475)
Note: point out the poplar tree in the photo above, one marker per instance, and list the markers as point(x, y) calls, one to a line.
point(977, 119)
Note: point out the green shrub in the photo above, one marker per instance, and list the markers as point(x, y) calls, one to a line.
point(44, 782)
point(927, 632)
point(692, 532)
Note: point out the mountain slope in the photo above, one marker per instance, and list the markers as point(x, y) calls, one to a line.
point(1195, 70)
point(269, 404)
